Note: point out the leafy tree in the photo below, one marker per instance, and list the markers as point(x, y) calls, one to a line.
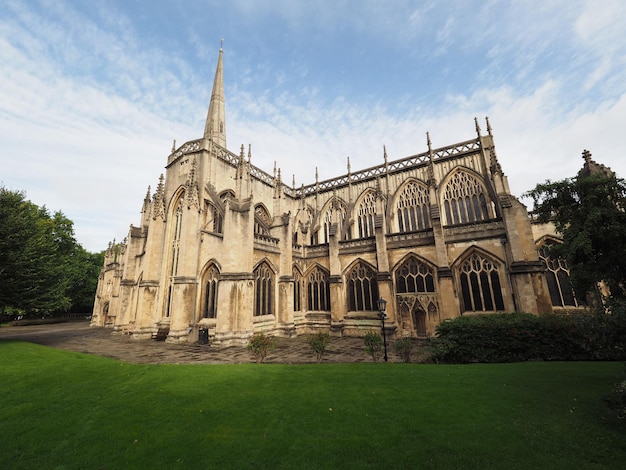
point(43, 269)
point(588, 211)
point(31, 279)
point(83, 279)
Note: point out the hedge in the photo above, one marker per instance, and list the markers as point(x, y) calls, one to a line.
point(514, 337)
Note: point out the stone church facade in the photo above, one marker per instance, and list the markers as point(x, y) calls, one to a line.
point(227, 248)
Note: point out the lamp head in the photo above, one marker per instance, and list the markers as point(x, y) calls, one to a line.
point(382, 304)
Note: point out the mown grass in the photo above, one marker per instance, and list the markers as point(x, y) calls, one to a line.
point(67, 410)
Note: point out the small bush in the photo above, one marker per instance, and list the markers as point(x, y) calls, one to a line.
point(404, 347)
point(438, 349)
point(373, 344)
point(318, 344)
point(260, 345)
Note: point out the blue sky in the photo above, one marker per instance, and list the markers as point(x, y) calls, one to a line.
point(93, 93)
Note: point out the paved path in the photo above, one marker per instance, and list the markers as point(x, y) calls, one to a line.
point(80, 337)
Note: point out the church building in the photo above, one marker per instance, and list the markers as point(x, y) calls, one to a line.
point(226, 248)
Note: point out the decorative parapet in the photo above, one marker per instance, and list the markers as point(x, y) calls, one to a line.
point(263, 242)
point(387, 168)
point(422, 159)
point(423, 237)
point(360, 244)
point(193, 146)
point(316, 250)
point(475, 228)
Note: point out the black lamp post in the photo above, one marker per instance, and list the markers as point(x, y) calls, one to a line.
point(382, 304)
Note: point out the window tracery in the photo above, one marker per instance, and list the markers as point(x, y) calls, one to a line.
point(263, 290)
point(362, 287)
point(262, 221)
point(318, 290)
point(480, 285)
point(365, 215)
point(464, 199)
point(558, 278)
point(337, 209)
point(414, 276)
point(210, 293)
point(413, 208)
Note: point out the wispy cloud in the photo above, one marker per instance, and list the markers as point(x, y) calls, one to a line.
point(94, 95)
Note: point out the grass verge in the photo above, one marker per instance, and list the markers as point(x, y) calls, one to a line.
point(69, 410)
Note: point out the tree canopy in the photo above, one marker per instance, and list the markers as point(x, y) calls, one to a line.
point(588, 211)
point(43, 269)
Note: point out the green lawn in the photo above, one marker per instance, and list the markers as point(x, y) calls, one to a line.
point(68, 410)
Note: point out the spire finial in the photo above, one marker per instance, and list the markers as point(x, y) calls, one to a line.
point(477, 126)
point(488, 125)
point(174, 146)
point(385, 153)
point(222, 44)
point(348, 164)
point(428, 141)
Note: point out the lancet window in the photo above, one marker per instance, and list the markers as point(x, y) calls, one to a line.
point(262, 221)
point(318, 290)
point(413, 208)
point(362, 288)
point(558, 278)
point(366, 214)
point(338, 209)
point(480, 285)
point(263, 290)
point(464, 199)
point(297, 290)
point(414, 276)
point(210, 292)
point(217, 219)
point(175, 251)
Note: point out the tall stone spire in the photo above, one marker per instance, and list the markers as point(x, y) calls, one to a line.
point(215, 127)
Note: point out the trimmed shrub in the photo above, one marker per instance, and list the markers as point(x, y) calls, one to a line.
point(318, 344)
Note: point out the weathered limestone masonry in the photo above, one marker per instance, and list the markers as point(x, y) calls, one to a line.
point(226, 248)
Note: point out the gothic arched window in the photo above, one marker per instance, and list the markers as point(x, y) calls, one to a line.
point(362, 288)
point(337, 209)
point(263, 290)
point(297, 290)
point(413, 208)
point(216, 220)
point(480, 285)
point(175, 251)
point(318, 290)
point(557, 276)
point(210, 293)
point(414, 276)
point(365, 215)
point(464, 199)
point(262, 221)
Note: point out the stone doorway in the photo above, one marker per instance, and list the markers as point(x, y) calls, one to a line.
point(418, 314)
